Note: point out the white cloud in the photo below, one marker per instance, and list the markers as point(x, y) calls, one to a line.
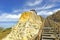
point(9, 17)
point(47, 13)
point(36, 8)
point(44, 13)
point(48, 6)
point(15, 11)
point(45, 7)
point(56, 10)
point(36, 2)
point(54, 0)
point(20, 10)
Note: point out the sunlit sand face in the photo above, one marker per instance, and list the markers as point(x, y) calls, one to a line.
point(27, 27)
point(32, 26)
point(25, 16)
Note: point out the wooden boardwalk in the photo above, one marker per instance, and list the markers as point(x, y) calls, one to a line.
point(49, 33)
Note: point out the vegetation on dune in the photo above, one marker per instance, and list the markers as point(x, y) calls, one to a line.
point(1, 29)
point(53, 20)
point(5, 32)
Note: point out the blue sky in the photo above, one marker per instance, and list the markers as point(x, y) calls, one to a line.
point(10, 10)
